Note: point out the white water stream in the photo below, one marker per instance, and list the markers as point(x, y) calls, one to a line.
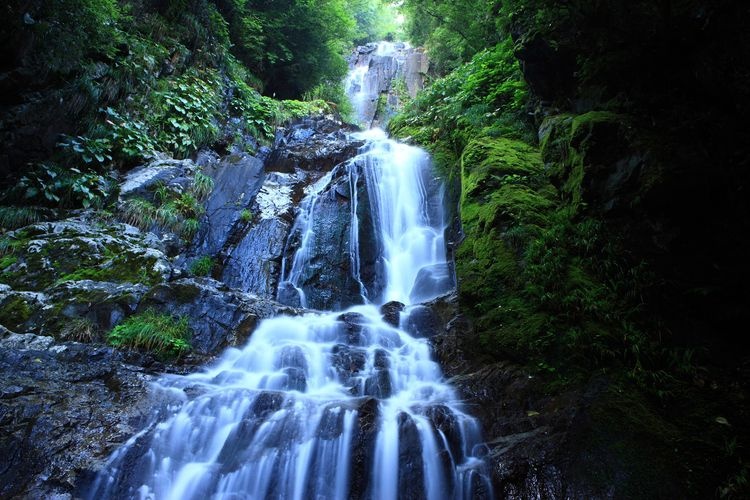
point(329, 405)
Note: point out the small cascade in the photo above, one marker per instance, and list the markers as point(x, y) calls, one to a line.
point(326, 405)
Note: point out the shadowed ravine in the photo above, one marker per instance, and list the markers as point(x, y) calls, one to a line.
point(341, 404)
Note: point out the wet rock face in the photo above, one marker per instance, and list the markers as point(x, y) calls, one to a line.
point(258, 220)
point(237, 179)
point(328, 278)
point(315, 144)
point(432, 281)
point(63, 408)
point(391, 312)
point(363, 446)
point(141, 181)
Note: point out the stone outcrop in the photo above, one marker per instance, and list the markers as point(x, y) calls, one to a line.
point(63, 409)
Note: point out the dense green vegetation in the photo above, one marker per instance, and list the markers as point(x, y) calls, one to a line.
point(98, 85)
point(587, 138)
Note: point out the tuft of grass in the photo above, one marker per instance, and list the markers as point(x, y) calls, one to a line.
point(14, 217)
point(162, 192)
point(188, 206)
point(202, 266)
point(190, 228)
point(161, 334)
point(139, 212)
point(79, 330)
point(202, 185)
point(167, 215)
point(246, 215)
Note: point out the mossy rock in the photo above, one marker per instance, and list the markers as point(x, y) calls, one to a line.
point(44, 255)
point(505, 200)
point(554, 142)
point(488, 163)
point(19, 309)
point(600, 158)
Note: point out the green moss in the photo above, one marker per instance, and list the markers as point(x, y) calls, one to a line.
point(14, 312)
point(554, 139)
point(162, 334)
point(597, 140)
point(488, 163)
point(583, 126)
point(115, 267)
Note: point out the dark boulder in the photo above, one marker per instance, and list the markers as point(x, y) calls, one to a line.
point(63, 409)
point(316, 144)
point(391, 312)
point(237, 179)
point(432, 281)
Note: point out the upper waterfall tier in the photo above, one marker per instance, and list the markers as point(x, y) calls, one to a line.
point(371, 231)
point(374, 70)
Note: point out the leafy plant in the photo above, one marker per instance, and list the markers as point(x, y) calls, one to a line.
point(187, 112)
point(160, 333)
point(128, 137)
point(52, 185)
point(95, 151)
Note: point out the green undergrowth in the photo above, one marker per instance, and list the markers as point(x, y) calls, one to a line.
point(484, 97)
point(162, 334)
point(547, 283)
point(169, 208)
point(115, 83)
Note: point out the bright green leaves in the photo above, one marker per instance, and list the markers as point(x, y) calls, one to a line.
point(186, 114)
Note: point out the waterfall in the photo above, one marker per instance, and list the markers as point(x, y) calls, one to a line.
point(326, 405)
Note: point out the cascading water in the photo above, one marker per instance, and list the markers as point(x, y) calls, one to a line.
point(326, 405)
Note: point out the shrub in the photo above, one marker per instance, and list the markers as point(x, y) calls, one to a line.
point(246, 215)
point(162, 334)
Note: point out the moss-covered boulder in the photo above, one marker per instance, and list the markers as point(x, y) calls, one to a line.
point(18, 308)
point(594, 159)
point(503, 188)
point(47, 254)
point(505, 197)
